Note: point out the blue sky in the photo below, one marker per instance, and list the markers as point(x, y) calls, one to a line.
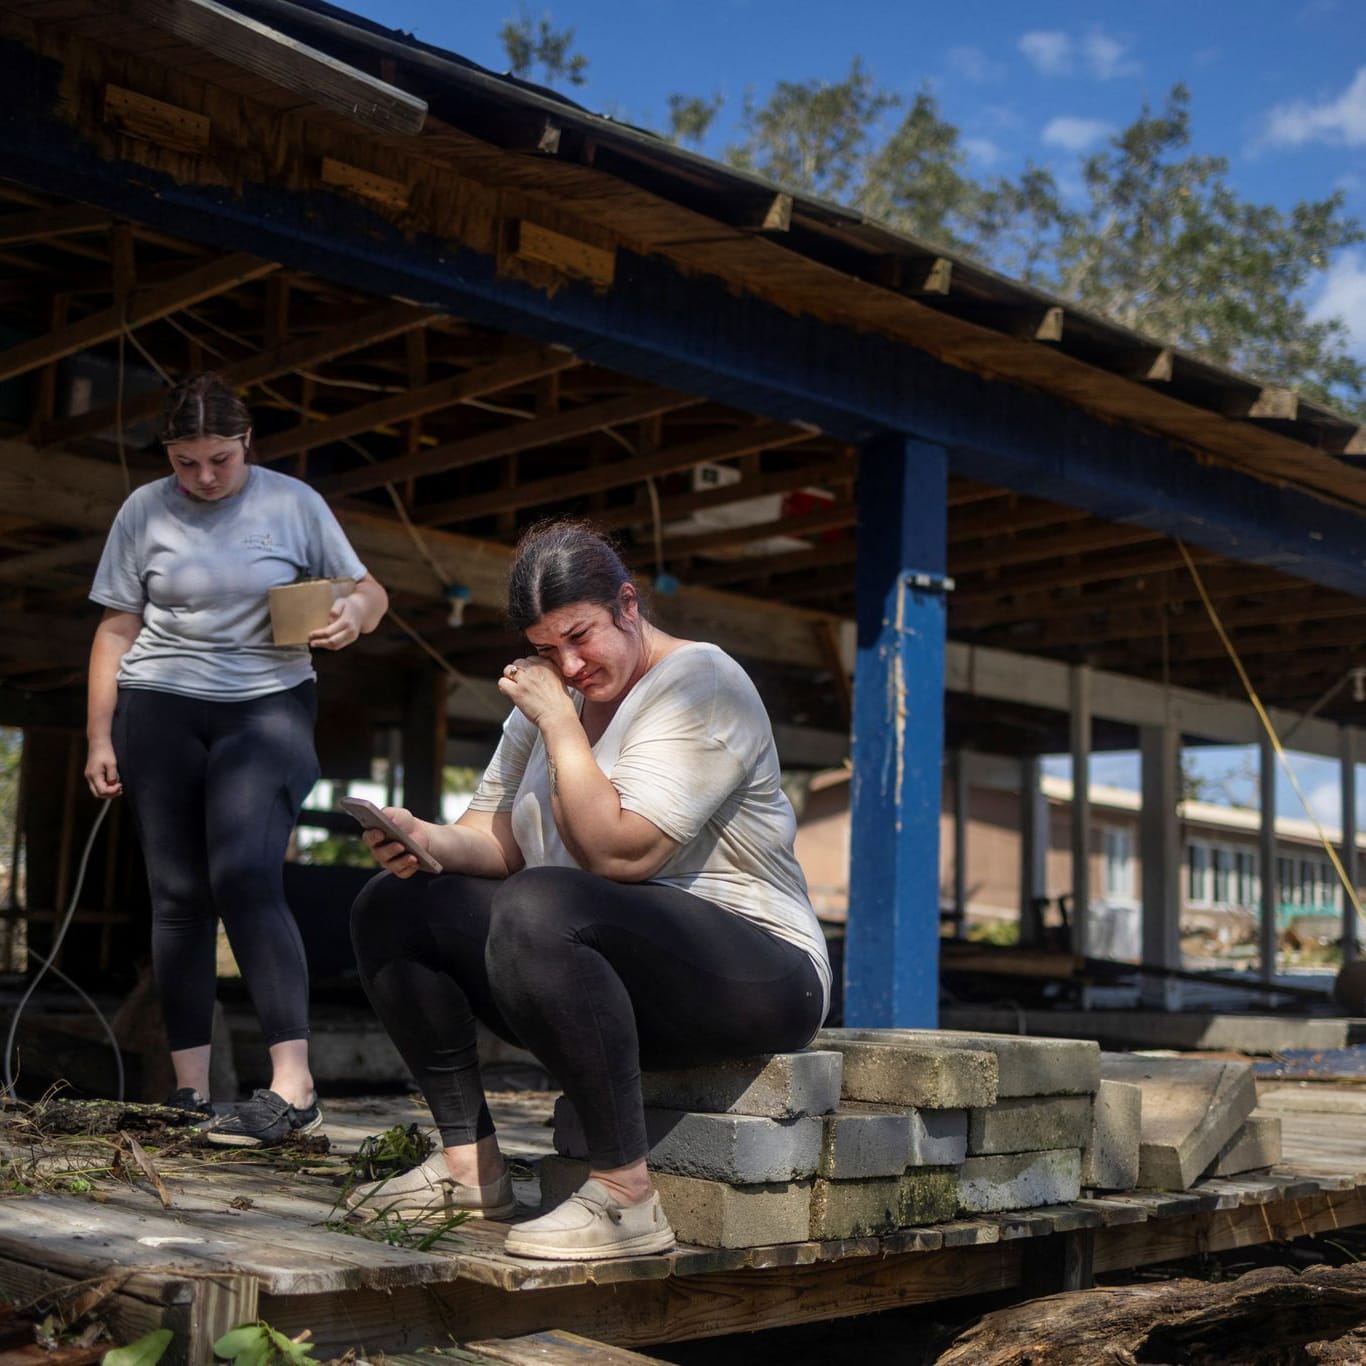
point(1278, 86)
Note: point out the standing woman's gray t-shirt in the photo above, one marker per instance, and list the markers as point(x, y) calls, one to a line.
point(198, 573)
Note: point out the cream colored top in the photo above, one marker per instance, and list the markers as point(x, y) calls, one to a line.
point(691, 749)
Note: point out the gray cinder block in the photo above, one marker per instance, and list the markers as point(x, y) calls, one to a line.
point(775, 1085)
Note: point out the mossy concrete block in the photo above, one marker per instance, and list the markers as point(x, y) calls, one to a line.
point(855, 1209)
point(1008, 1181)
point(860, 1142)
point(745, 1150)
point(1256, 1145)
point(774, 1085)
point(1030, 1124)
point(1026, 1066)
point(896, 1073)
point(929, 1195)
point(1110, 1161)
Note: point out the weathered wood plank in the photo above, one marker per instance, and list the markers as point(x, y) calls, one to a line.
point(286, 62)
point(555, 1348)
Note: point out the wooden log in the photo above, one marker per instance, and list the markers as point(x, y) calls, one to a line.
point(1267, 1314)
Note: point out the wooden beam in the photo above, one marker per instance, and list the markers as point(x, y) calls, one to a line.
point(1033, 549)
point(1028, 322)
point(165, 125)
point(1097, 568)
point(445, 393)
point(1022, 514)
point(144, 306)
point(568, 255)
point(916, 275)
point(22, 567)
point(521, 436)
point(770, 213)
point(389, 320)
point(286, 62)
point(1270, 402)
point(817, 475)
point(789, 562)
point(1149, 364)
point(559, 487)
point(833, 518)
point(41, 225)
point(392, 194)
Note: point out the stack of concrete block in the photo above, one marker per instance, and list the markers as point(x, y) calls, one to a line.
point(1026, 1135)
point(1194, 1117)
point(869, 1132)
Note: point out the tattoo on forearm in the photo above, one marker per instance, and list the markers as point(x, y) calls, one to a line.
point(554, 776)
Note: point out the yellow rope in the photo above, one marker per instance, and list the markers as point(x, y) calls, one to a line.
point(1271, 733)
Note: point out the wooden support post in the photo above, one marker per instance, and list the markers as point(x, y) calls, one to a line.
point(1351, 930)
point(1267, 845)
point(1033, 853)
point(892, 955)
point(960, 844)
point(1160, 858)
point(1080, 730)
point(424, 742)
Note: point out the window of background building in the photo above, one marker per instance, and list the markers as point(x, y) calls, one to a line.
point(1119, 863)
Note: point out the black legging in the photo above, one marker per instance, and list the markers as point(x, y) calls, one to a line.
point(597, 978)
point(214, 789)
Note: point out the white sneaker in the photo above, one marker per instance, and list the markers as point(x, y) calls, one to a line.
point(591, 1224)
point(431, 1190)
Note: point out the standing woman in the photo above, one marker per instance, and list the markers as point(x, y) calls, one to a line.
point(206, 726)
point(621, 893)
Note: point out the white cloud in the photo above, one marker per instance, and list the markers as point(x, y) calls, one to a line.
point(1101, 55)
point(972, 64)
point(1340, 119)
point(982, 150)
point(1325, 801)
point(1075, 134)
point(1106, 57)
point(1344, 296)
point(1049, 53)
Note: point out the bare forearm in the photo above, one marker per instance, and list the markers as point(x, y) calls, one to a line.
point(374, 602)
point(102, 686)
point(463, 849)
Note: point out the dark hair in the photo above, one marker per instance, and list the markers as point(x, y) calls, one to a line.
point(202, 405)
point(562, 561)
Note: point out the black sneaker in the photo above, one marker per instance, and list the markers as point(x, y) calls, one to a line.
point(265, 1119)
point(188, 1099)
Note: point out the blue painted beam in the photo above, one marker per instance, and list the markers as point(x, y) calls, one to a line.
point(696, 334)
point(892, 938)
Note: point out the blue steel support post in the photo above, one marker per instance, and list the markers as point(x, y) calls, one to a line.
point(892, 944)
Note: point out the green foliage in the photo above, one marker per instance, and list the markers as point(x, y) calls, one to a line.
point(258, 1344)
point(691, 117)
point(146, 1351)
point(529, 43)
point(1005, 933)
point(396, 1150)
point(338, 850)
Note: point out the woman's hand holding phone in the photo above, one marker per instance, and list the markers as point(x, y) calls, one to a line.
point(396, 838)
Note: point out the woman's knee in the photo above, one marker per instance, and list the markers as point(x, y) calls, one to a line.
point(376, 915)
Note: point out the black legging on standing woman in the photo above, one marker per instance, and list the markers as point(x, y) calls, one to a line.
point(597, 978)
point(215, 788)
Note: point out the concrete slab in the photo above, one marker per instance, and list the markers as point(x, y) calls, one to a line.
point(775, 1085)
point(1026, 1065)
point(1189, 1031)
point(745, 1150)
point(1010, 1181)
point(1256, 1145)
point(1030, 1124)
point(1191, 1108)
point(855, 1209)
point(929, 1195)
point(1110, 1158)
point(897, 1072)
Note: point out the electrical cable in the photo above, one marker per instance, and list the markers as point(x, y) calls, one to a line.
point(48, 966)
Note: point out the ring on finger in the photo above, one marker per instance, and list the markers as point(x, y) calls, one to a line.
point(511, 671)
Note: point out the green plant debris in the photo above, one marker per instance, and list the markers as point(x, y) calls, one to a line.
point(258, 1344)
point(146, 1351)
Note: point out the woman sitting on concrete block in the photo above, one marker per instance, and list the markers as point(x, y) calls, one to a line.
point(622, 893)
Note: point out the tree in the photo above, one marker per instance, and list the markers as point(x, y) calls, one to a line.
point(528, 43)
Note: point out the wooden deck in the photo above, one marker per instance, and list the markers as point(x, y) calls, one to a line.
point(243, 1239)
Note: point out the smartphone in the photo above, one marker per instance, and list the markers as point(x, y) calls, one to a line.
point(372, 818)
